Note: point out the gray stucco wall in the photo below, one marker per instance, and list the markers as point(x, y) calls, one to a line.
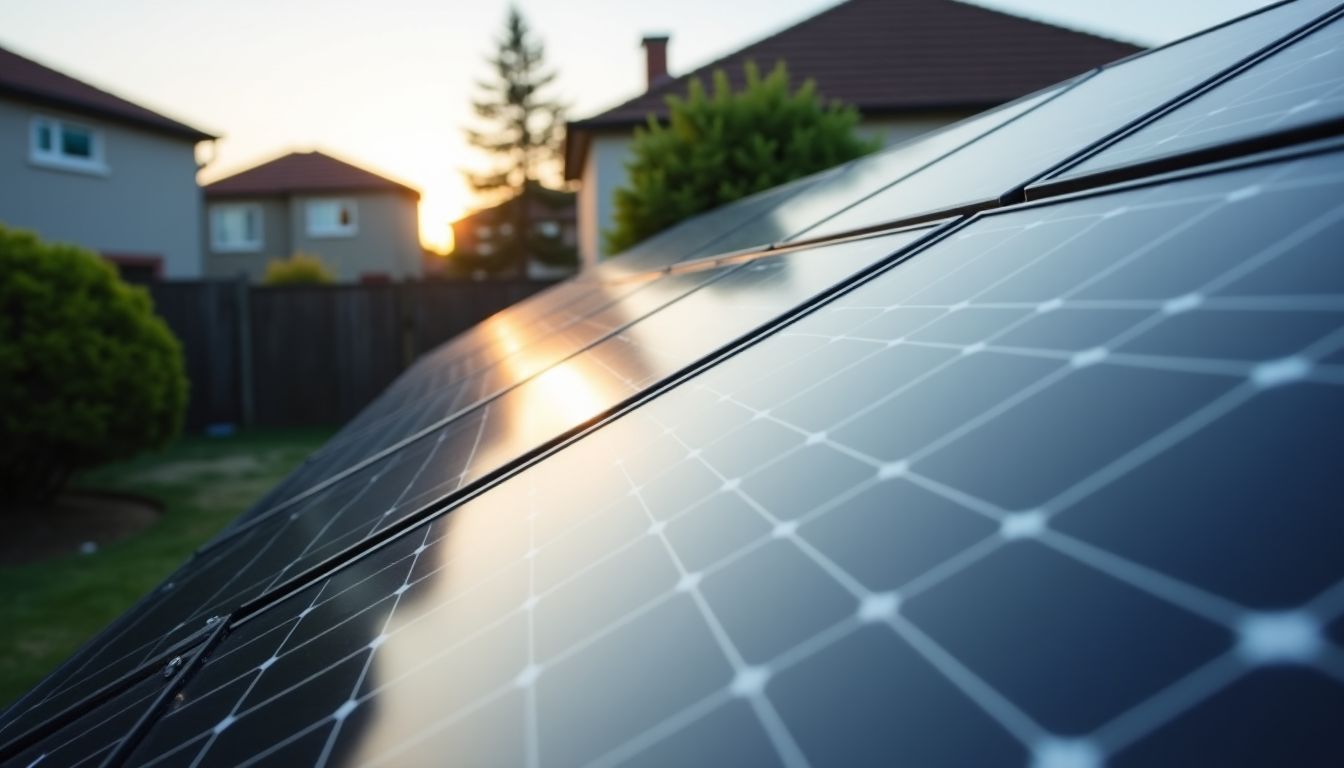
point(147, 203)
point(387, 240)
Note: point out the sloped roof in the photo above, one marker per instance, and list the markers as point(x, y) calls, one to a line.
point(27, 79)
point(892, 56)
point(305, 172)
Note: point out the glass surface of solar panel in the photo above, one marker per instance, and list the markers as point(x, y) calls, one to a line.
point(413, 395)
point(1060, 488)
point(439, 389)
point(698, 236)
point(1095, 108)
point(252, 560)
point(1294, 87)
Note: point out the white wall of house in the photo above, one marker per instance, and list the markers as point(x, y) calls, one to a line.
point(140, 198)
point(604, 171)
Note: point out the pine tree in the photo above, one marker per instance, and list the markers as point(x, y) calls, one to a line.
point(717, 147)
point(524, 129)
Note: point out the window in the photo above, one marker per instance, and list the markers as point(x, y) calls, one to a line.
point(332, 218)
point(68, 146)
point(484, 231)
point(506, 230)
point(235, 227)
point(549, 229)
point(485, 249)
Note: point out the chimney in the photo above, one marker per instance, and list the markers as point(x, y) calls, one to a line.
point(655, 59)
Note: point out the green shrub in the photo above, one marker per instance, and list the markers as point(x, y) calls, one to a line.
point(299, 269)
point(88, 372)
point(716, 148)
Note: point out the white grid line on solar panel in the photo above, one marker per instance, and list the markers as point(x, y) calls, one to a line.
point(1266, 637)
point(1295, 86)
point(266, 539)
point(1022, 150)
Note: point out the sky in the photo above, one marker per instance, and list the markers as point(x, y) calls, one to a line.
point(388, 84)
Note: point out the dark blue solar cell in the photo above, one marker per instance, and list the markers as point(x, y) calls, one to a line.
point(1059, 639)
point(1247, 724)
point(1295, 87)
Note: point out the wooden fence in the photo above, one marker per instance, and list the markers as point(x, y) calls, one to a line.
point(309, 355)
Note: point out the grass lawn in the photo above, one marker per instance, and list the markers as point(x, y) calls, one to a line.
point(50, 608)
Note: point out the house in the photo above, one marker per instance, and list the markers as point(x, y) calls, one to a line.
point(909, 66)
point(363, 225)
point(485, 240)
point(82, 165)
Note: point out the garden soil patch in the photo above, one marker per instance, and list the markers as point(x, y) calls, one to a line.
point(72, 522)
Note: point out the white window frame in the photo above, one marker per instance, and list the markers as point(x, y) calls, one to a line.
point(347, 230)
point(53, 157)
point(217, 245)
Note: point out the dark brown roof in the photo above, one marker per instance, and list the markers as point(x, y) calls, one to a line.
point(304, 172)
point(893, 56)
point(29, 80)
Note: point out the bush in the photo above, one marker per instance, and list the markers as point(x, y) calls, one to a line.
point(717, 148)
point(88, 373)
point(299, 269)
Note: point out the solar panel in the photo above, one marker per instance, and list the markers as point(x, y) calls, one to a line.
point(1005, 160)
point(1054, 482)
point(257, 557)
point(878, 533)
point(1295, 87)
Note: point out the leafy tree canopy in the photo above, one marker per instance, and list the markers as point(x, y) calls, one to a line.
point(723, 145)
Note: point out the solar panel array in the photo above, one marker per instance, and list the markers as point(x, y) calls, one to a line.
point(883, 466)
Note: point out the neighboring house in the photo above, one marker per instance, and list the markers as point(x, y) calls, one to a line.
point(80, 165)
point(909, 66)
point(488, 235)
point(364, 226)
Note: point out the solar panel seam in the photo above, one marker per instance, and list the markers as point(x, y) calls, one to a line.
point(73, 711)
point(1212, 82)
point(1059, 180)
point(177, 679)
point(969, 208)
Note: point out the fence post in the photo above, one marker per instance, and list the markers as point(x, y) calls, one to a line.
point(243, 292)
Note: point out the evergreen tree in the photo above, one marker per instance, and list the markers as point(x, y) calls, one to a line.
point(716, 148)
point(523, 129)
